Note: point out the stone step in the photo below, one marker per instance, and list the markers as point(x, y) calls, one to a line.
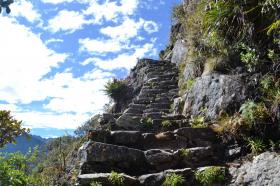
point(137, 106)
point(162, 79)
point(103, 157)
point(153, 91)
point(141, 100)
point(153, 115)
point(181, 138)
point(159, 106)
point(105, 179)
point(134, 111)
point(156, 110)
point(164, 76)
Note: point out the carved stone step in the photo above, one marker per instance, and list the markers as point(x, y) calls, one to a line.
point(159, 105)
point(104, 179)
point(137, 106)
point(181, 138)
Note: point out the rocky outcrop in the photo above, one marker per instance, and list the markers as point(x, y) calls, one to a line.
point(214, 93)
point(262, 170)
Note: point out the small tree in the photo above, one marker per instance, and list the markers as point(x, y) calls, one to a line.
point(10, 128)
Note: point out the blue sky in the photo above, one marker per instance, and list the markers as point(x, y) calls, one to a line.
point(56, 55)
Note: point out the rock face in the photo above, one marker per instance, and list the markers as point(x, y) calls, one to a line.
point(263, 170)
point(215, 93)
point(179, 52)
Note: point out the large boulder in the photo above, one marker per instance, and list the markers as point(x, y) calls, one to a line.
point(214, 93)
point(102, 157)
point(263, 170)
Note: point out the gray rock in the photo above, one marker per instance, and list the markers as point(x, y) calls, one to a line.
point(152, 179)
point(103, 178)
point(262, 171)
point(179, 52)
point(215, 93)
point(102, 157)
point(129, 138)
point(127, 122)
point(192, 70)
point(161, 159)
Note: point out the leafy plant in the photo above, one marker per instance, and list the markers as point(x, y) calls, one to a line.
point(116, 89)
point(178, 13)
point(256, 145)
point(95, 183)
point(116, 178)
point(250, 57)
point(184, 152)
point(166, 123)
point(174, 179)
point(147, 121)
point(10, 128)
point(253, 112)
point(210, 175)
point(198, 122)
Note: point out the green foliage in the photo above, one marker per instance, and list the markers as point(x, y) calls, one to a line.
point(16, 169)
point(253, 112)
point(198, 122)
point(174, 179)
point(232, 125)
point(95, 183)
point(186, 85)
point(147, 121)
point(210, 176)
point(184, 152)
point(116, 89)
point(256, 145)
point(166, 123)
point(178, 13)
point(250, 57)
point(10, 128)
point(116, 179)
point(270, 87)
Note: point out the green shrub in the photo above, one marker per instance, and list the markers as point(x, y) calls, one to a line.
point(256, 145)
point(174, 179)
point(95, 183)
point(198, 122)
point(116, 179)
point(254, 112)
point(147, 121)
point(116, 89)
point(178, 13)
point(166, 123)
point(210, 176)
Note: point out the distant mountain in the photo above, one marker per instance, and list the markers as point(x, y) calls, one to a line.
point(23, 143)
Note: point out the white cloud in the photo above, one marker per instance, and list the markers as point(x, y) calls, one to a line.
point(127, 30)
point(24, 61)
point(110, 11)
point(151, 27)
point(51, 120)
point(53, 40)
point(24, 8)
point(98, 46)
point(124, 60)
point(97, 74)
point(67, 21)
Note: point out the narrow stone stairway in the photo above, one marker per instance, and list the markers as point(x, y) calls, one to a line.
point(152, 105)
point(151, 143)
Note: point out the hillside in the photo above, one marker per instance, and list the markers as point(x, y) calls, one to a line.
point(24, 143)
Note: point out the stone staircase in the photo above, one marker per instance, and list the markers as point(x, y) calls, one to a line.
point(152, 105)
point(147, 158)
point(149, 143)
